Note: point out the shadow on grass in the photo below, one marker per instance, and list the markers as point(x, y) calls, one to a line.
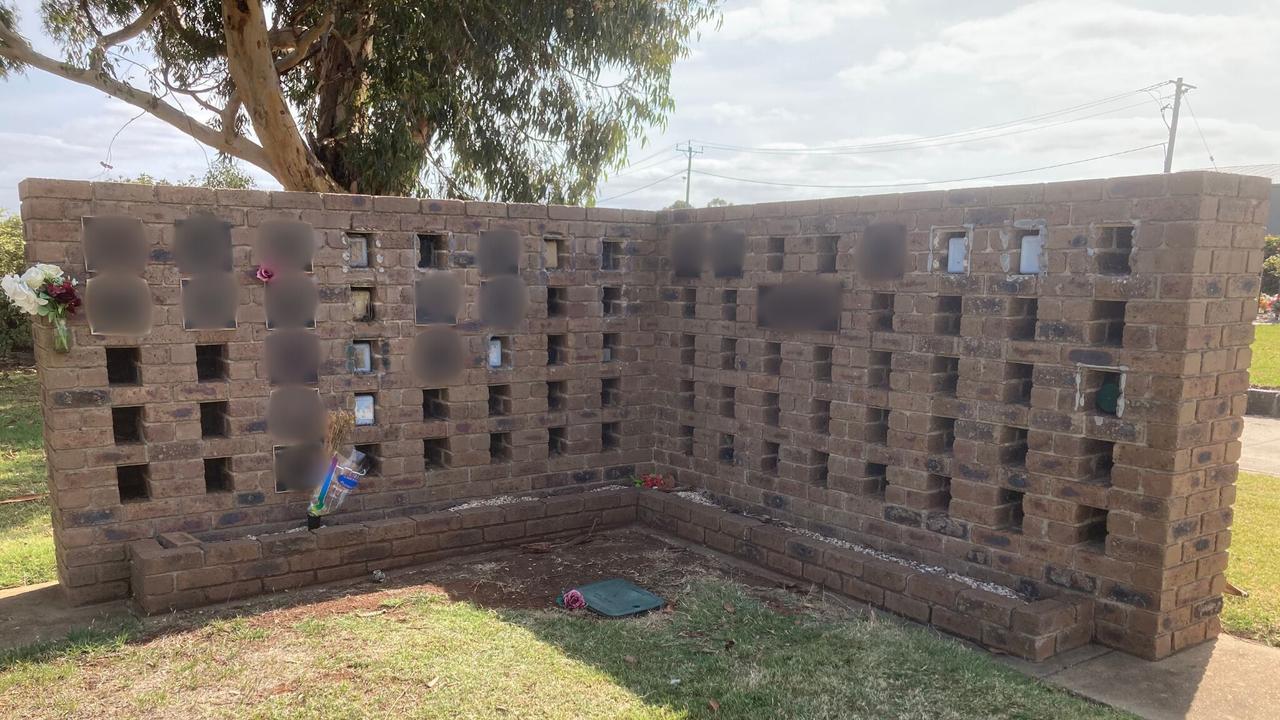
point(81, 641)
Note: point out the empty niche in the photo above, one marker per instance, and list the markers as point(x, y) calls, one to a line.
point(1023, 314)
point(555, 252)
point(124, 365)
point(729, 305)
point(686, 394)
point(688, 349)
point(498, 353)
point(372, 457)
point(611, 347)
point(557, 398)
point(798, 306)
point(213, 419)
point(296, 466)
point(1015, 447)
point(365, 408)
point(1018, 382)
point(1100, 390)
point(1114, 249)
point(433, 251)
point(126, 424)
point(362, 304)
point(118, 305)
point(819, 468)
point(877, 425)
point(945, 370)
point(435, 404)
point(728, 401)
point(769, 455)
point(820, 411)
point(357, 252)
point(293, 357)
point(557, 441)
point(295, 414)
point(725, 451)
point(499, 400)
point(944, 429)
point(940, 492)
point(1091, 531)
point(610, 392)
point(435, 453)
point(499, 252)
point(202, 244)
point(1012, 509)
point(689, 302)
point(881, 254)
point(610, 436)
point(879, 366)
point(728, 353)
point(437, 355)
point(728, 252)
point(825, 250)
point(686, 440)
point(557, 350)
point(211, 363)
point(947, 316)
point(822, 363)
point(133, 482)
point(285, 246)
point(611, 301)
point(882, 312)
point(209, 302)
point(951, 251)
point(775, 254)
point(877, 476)
point(1100, 461)
point(687, 249)
point(1030, 250)
point(772, 410)
point(217, 475)
point(557, 302)
point(436, 297)
point(499, 447)
point(610, 255)
point(771, 360)
point(113, 244)
point(360, 356)
point(292, 300)
point(502, 302)
point(1107, 325)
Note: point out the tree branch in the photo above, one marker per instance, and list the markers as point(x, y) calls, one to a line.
point(14, 47)
point(126, 33)
point(304, 44)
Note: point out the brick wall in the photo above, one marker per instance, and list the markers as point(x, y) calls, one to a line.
point(924, 379)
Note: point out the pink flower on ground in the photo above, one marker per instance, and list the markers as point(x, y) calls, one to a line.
point(573, 600)
point(265, 274)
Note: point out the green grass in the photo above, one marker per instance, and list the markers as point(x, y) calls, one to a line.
point(26, 540)
point(1265, 370)
point(721, 653)
point(1255, 547)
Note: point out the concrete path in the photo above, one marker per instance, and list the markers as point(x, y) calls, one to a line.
point(1261, 440)
point(1227, 679)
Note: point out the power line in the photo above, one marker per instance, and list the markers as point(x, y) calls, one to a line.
point(631, 167)
point(689, 152)
point(642, 187)
point(1203, 141)
point(931, 182)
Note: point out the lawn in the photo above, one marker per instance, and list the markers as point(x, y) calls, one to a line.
point(725, 650)
point(1265, 370)
point(26, 542)
point(1255, 560)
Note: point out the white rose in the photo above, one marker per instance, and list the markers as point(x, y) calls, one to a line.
point(19, 292)
point(50, 272)
point(33, 277)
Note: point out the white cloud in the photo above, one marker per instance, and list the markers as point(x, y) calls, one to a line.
point(792, 21)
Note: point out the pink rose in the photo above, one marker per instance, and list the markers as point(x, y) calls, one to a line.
point(265, 274)
point(573, 600)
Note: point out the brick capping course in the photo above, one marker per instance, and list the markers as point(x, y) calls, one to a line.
point(175, 571)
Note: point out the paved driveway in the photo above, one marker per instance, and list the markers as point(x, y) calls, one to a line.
point(1261, 440)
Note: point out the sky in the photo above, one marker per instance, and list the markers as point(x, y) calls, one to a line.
point(788, 79)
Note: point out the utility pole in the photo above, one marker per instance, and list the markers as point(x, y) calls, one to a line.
point(1180, 88)
point(688, 168)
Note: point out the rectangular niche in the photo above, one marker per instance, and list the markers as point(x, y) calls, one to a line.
point(611, 347)
point(610, 436)
point(1100, 390)
point(1014, 514)
point(1091, 531)
point(820, 412)
point(877, 479)
point(772, 409)
point(945, 429)
point(211, 363)
point(1114, 250)
point(610, 255)
point(946, 374)
point(822, 363)
point(209, 302)
point(118, 305)
point(1107, 326)
point(1030, 251)
point(557, 302)
point(728, 353)
point(879, 367)
point(557, 441)
point(729, 305)
point(433, 251)
point(372, 458)
point(1018, 382)
point(214, 419)
point(217, 475)
point(499, 252)
point(435, 453)
point(365, 408)
point(555, 252)
point(727, 403)
point(296, 466)
point(498, 353)
point(611, 301)
point(728, 252)
point(126, 424)
point(725, 450)
point(499, 400)
point(362, 307)
point(825, 249)
point(123, 365)
point(769, 457)
point(610, 392)
point(113, 243)
point(1101, 461)
point(1023, 314)
point(435, 404)
point(819, 468)
point(772, 358)
point(940, 492)
point(877, 425)
point(361, 360)
point(557, 350)
point(1015, 447)
point(499, 447)
point(556, 395)
point(688, 352)
point(686, 394)
point(133, 483)
point(952, 251)
point(686, 440)
point(357, 252)
point(882, 312)
point(202, 244)
point(689, 299)
point(775, 254)
point(947, 315)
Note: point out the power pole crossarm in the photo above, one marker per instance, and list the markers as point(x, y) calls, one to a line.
point(689, 152)
point(1180, 88)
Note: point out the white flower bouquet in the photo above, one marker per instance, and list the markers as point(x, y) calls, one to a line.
point(45, 291)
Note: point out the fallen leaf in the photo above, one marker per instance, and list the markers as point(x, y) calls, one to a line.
point(432, 683)
point(629, 659)
point(729, 608)
point(714, 705)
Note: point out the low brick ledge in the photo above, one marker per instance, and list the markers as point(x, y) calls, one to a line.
point(1264, 402)
point(177, 571)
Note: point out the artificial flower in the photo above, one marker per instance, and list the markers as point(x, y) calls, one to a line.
point(573, 600)
point(22, 294)
point(265, 273)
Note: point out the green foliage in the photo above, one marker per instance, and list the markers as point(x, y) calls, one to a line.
point(719, 202)
point(223, 172)
point(15, 325)
point(1271, 265)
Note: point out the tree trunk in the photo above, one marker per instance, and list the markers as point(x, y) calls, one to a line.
point(253, 69)
point(340, 69)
